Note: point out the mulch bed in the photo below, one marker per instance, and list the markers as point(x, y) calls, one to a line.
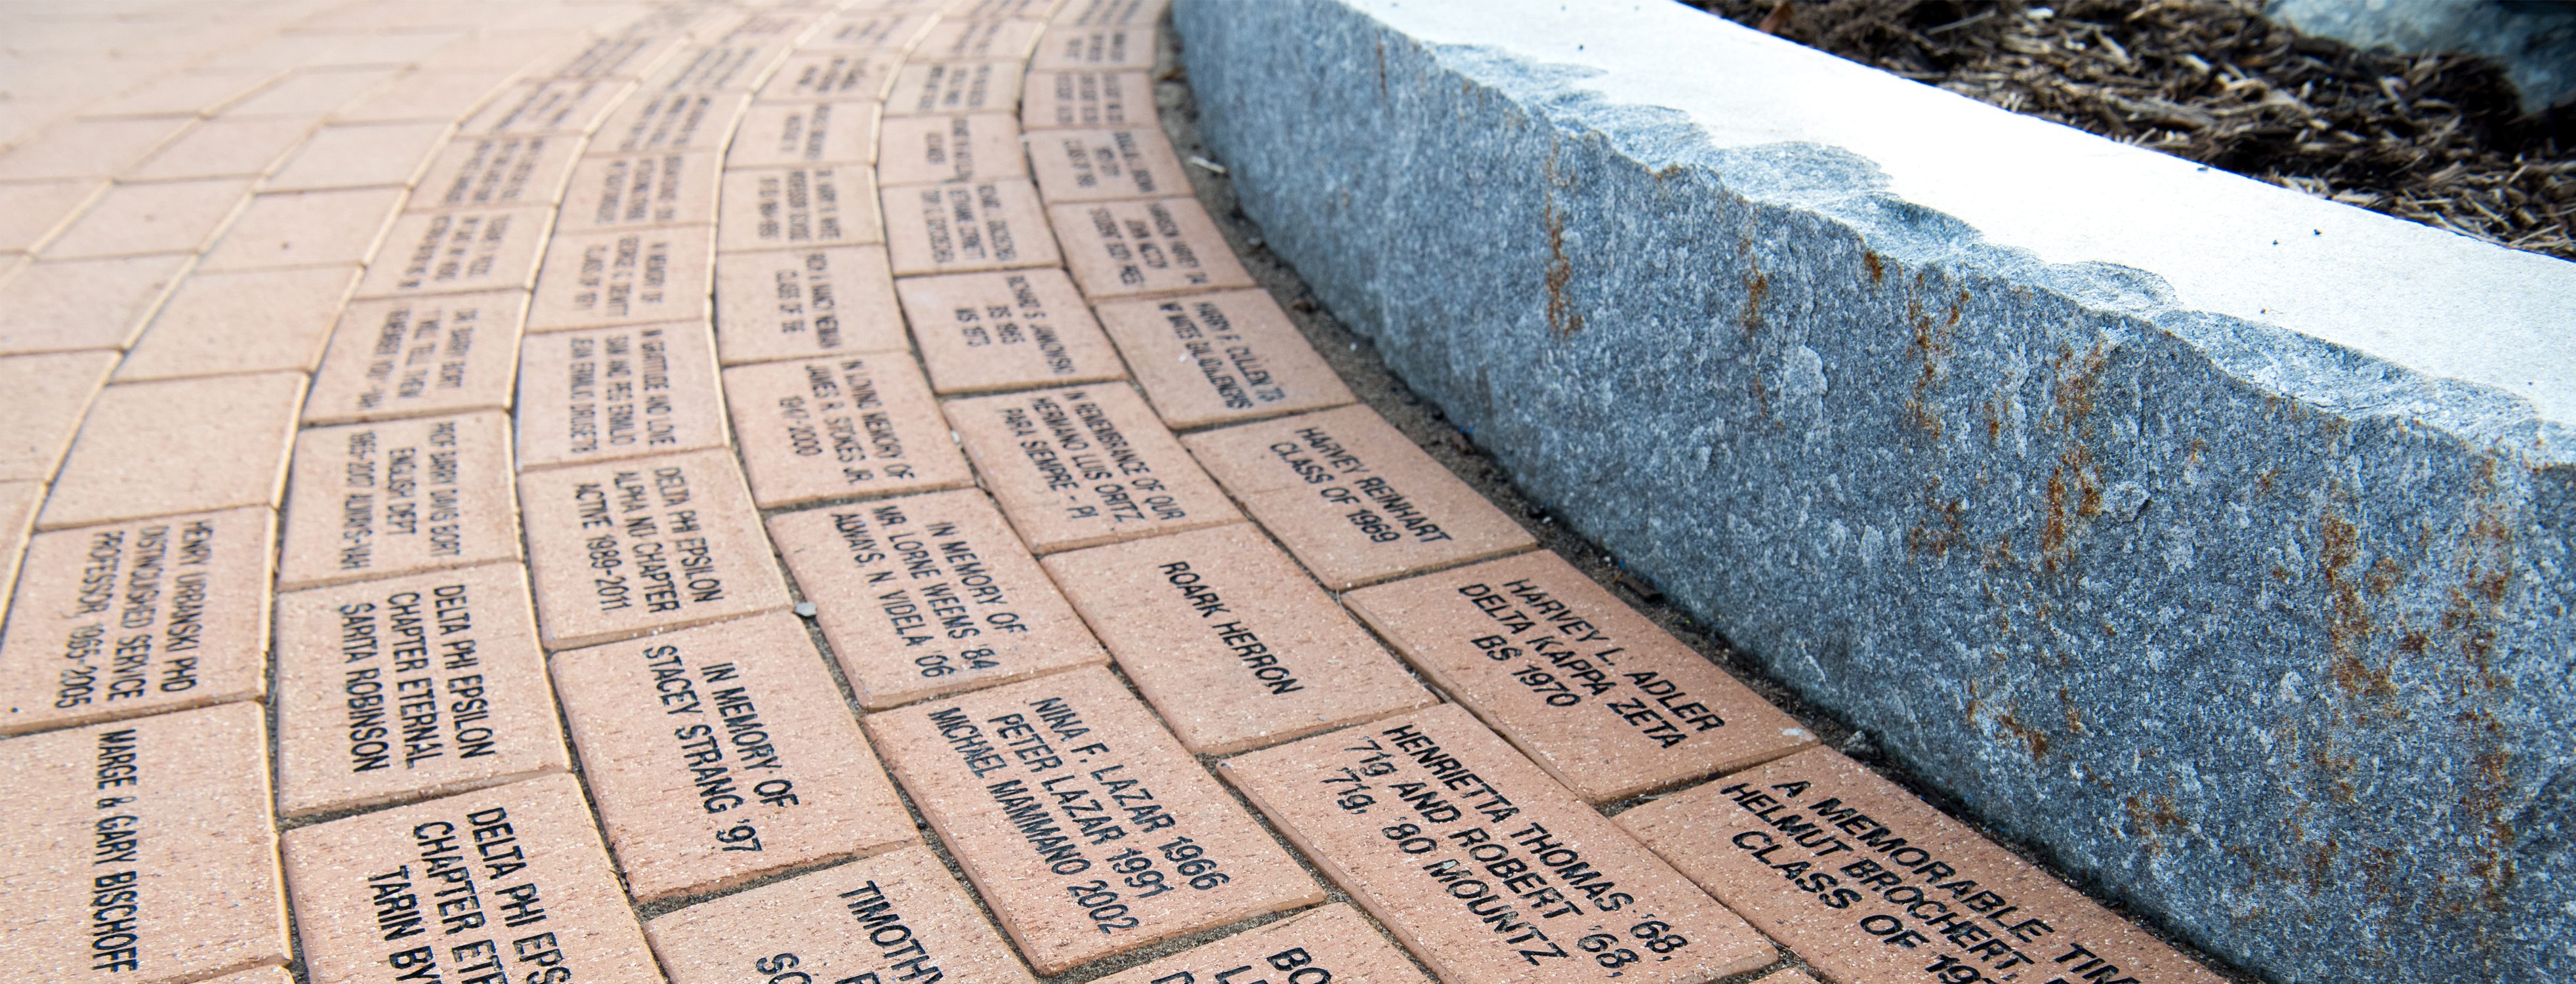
point(2439, 139)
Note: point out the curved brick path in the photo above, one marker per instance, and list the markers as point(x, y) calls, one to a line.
point(516, 402)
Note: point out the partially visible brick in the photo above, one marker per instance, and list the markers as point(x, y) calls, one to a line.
point(1600, 697)
point(1874, 886)
point(1353, 498)
point(542, 895)
point(142, 851)
point(1482, 865)
point(1331, 943)
point(410, 687)
point(1086, 827)
point(877, 573)
point(723, 753)
point(1085, 466)
point(890, 915)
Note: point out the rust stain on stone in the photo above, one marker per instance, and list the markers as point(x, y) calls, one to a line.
point(1756, 288)
point(1877, 270)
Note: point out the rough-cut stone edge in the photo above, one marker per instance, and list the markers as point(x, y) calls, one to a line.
point(1359, 115)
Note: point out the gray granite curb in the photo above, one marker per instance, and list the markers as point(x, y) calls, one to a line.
point(2259, 618)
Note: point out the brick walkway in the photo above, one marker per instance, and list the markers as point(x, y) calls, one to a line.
point(484, 517)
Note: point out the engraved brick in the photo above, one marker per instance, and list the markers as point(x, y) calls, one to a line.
point(224, 147)
point(636, 191)
point(564, 105)
point(631, 51)
point(1353, 498)
point(1233, 645)
point(137, 618)
point(806, 132)
point(160, 830)
point(304, 228)
point(1100, 165)
point(856, 76)
point(953, 40)
point(258, 975)
point(1331, 943)
point(1087, 100)
point(1482, 865)
point(856, 425)
point(1221, 358)
point(1790, 975)
point(180, 445)
point(1110, 13)
point(458, 252)
point(367, 156)
point(419, 356)
point(410, 687)
point(199, 331)
point(981, 332)
point(1086, 827)
point(625, 277)
point(70, 305)
point(803, 303)
point(723, 753)
point(799, 208)
point(1601, 698)
point(620, 549)
point(878, 572)
point(925, 149)
point(1066, 47)
point(48, 395)
point(528, 890)
point(669, 122)
point(608, 393)
point(1838, 863)
point(961, 228)
point(871, 30)
point(133, 219)
point(497, 172)
point(1085, 466)
point(1145, 248)
point(730, 65)
point(921, 89)
point(400, 497)
point(890, 915)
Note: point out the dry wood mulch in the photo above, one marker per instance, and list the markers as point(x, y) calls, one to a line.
point(2439, 139)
